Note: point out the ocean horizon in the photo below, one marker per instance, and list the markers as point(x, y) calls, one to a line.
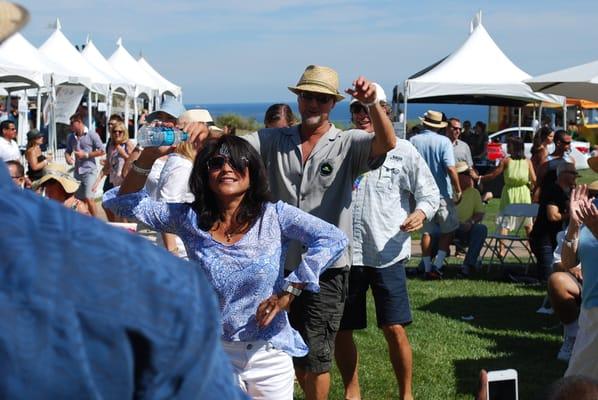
point(340, 113)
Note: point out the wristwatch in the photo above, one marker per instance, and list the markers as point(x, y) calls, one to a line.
point(292, 290)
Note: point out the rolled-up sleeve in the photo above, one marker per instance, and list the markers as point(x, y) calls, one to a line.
point(160, 216)
point(324, 242)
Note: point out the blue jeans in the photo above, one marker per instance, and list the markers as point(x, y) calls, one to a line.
point(474, 240)
point(544, 253)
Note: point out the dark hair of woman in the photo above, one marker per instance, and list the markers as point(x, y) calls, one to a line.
point(539, 138)
point(276, 112)
point(516, 148)
point(206, 204)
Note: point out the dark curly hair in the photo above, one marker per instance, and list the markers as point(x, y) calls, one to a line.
point(206, 204)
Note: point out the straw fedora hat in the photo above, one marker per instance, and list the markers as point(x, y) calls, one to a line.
point(593, 187)
point(200, 115)
point(461, 166)
point(593, 163)
point(318, 79)
point(12, 18)
point(433, 119)
point(59, 174)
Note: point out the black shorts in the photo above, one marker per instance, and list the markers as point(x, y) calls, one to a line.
point(317, 317)
point(389, 287)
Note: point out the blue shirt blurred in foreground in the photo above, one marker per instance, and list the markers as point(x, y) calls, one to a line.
point(89, 311)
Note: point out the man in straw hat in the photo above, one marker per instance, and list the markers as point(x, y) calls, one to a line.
point(383, 219)
point(581, 245)
point(437, 150)
point(57, 184)
point(312, 166)
point(91, 311)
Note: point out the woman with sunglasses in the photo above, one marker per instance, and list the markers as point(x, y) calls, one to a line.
point(239, 239)
point(117, 153)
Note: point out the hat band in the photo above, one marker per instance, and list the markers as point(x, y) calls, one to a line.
point(317, 83)
point(433, 121)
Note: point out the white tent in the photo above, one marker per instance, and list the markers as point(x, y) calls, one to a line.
point(477, 73)
point(62, 52)
point(95, 58)
point(13, 75)
point(580, 82)
point(164, 85)
point(123, 62)
point(21, 52)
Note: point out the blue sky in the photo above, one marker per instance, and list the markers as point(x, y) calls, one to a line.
point(250, 51)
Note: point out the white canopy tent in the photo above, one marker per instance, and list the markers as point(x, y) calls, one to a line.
point(164, 85)
point(478, 72)
point(61, 51)
point(580, 82)
point(127, 66)
point(93, 56)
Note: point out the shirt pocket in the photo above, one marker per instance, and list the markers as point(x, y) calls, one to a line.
point(389, 175)
point(326, 173)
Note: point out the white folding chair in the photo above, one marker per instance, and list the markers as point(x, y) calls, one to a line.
point(515, 237)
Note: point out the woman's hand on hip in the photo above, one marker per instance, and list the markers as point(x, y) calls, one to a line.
point(274, 304)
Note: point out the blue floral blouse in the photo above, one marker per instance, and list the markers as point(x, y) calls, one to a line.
point(246, 272)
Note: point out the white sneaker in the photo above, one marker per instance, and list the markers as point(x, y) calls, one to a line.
point(566, 349)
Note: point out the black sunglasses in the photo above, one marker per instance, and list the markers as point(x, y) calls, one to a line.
point(320, 98)
point(216, 163)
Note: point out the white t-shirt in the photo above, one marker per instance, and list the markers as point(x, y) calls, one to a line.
point(173, 185)
point(9, 150)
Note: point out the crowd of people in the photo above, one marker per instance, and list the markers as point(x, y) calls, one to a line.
point(284, 229)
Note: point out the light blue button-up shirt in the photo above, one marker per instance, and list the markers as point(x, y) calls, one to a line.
point(437, 150)
point(381, 202)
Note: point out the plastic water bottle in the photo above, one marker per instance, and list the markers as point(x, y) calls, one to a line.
point(154, 136)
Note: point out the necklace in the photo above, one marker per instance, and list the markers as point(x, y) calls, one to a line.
point(228, 236)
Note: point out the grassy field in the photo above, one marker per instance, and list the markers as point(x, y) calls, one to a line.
point(450, 347)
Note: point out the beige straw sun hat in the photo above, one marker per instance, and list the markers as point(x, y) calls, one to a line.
point(318, 79)
point(59, 174)
point(12, 18)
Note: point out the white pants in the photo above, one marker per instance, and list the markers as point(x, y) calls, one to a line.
point(585, 351)
point(262, 371)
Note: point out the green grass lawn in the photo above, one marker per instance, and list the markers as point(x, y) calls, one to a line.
point(449, 351)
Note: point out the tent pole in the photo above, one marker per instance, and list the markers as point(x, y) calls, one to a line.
point(38, 114)
point(89, 121)
point(565, 116)
point(136, 115)
point(519, 118)
point(405, 109)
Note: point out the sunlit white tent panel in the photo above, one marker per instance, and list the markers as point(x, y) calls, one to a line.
point(95, 58)
point(478, 72)
point(164, 85)
point(580, 82)
point(123, 62)
point(61, 51)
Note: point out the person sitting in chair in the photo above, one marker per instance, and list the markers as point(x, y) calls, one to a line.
point(470, 210)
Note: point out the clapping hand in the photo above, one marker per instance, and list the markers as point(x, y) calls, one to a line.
point(579, 195)
point(363, 90)
point(589, 215)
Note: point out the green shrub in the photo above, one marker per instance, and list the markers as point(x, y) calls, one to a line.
point(239, 122)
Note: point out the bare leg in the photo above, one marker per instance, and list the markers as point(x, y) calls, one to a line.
point(563, 293)
point(501, 246)
point(170, 242)
point(347, 359)
point(315, 385)
point(91, 205)
point(399, 350)
point(426, 243)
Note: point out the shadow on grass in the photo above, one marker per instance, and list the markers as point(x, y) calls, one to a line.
point(534, 360)
point(496, 312)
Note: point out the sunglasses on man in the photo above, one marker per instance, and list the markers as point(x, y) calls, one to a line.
point(320, 98)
